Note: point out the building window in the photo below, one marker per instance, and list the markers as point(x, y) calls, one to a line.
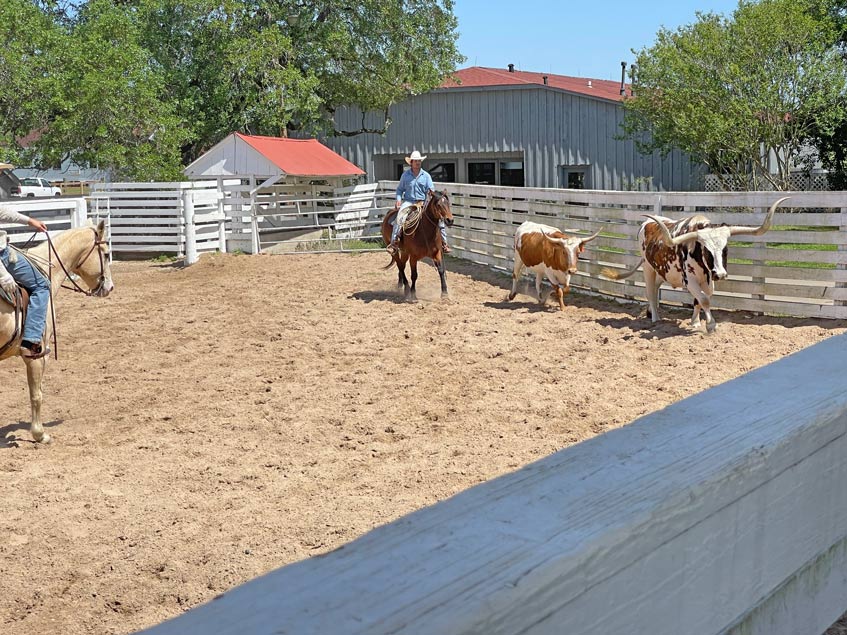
point(511, 173)
point(444, 172)
point(576, 180)
point(574, 177)
point(482, 173)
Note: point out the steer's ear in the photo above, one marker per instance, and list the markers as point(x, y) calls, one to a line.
point(581, 247)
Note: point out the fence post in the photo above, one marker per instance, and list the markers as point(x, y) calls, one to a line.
point(255, 246)
point(841, 267)
point(222, 214)
point(80, 213)
point(190, 234)
point(657, 211)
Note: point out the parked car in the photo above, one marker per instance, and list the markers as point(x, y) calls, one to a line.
point(35, 186)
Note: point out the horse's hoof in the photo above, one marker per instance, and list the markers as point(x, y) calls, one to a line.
point(44, 440)
point(445, 296)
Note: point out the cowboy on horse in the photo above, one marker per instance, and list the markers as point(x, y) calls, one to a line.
point(16, 269)
point(415, 184)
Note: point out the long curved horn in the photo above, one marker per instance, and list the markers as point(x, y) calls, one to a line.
point(761, 229)
point(591, 237)
point(558, 241)
point(669, 240)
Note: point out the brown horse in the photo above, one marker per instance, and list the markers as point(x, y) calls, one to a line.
point(82, 253)
point(420, 238)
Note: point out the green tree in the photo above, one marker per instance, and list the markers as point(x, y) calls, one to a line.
point(274, 66)
point(831, 140)
point(741, 95)
point(29, 84)
point(112, 112)
point(143, 87)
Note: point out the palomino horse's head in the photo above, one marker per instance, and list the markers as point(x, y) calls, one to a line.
point(439, 204)
point(92, 263)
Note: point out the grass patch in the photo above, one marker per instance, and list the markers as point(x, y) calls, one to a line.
point(340, 244)
point(164, 258)
point(784, 263)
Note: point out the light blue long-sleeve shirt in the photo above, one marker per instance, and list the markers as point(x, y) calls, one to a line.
point(414, 188)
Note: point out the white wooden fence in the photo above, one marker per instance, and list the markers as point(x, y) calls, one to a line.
point(57, 213)
point(799, 268)
point(301, 217)
point(723, 513)
point(161, 217)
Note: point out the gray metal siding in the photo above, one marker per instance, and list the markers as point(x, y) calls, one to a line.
point(549, 127)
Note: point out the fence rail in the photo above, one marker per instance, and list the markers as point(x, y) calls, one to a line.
point(57, 213)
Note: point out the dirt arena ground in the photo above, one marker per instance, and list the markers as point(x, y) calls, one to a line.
point(216, 422)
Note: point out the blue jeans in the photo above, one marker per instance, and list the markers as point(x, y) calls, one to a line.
point(27, 276)
point(443, 228)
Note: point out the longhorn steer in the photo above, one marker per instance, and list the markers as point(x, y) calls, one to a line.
point(689, 253)
point(547, 251)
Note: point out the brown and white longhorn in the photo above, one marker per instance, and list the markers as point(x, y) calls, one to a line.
point(547, 251)
point(690, 253)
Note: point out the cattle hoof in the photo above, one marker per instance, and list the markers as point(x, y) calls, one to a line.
point(711, 327)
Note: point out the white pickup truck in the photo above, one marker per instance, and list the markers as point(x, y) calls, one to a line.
point(35, 186)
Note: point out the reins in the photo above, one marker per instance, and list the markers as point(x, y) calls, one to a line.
point(414, 218)
point(51, 251)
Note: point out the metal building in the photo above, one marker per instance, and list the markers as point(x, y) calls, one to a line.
point(510, 127)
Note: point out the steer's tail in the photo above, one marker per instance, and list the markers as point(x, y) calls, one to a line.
point(614, 274)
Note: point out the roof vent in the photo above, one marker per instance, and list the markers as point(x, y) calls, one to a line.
point(544, 78)
point(623, 79)
point(589, 84)
point(511, 68)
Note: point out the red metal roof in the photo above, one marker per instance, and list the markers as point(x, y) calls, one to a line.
point(301, 157)
point(482, 76)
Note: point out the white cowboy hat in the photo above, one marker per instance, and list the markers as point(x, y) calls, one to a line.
point(415, 156)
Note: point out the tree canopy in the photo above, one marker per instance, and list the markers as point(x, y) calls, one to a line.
point(831, 140)
point(741, 94)
point(143, 87)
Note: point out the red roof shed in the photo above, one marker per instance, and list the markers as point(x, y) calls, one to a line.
point(243, 155)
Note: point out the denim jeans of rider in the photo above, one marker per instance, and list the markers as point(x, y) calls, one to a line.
point(27, 276)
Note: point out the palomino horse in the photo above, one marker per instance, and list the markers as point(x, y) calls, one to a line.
point(420, 238)
point(82, 252)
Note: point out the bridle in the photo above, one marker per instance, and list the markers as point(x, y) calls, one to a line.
point(101, 279)
point(431, 200)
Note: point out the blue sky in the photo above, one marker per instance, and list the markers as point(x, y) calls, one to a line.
point(567, 37)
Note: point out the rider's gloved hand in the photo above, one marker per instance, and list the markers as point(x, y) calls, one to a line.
point(7, 282)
